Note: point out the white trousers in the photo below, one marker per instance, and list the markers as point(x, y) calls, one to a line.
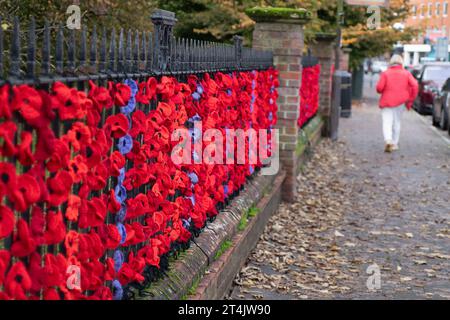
point(392, 123)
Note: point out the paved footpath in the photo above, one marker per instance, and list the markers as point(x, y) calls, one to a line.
point(359, 207)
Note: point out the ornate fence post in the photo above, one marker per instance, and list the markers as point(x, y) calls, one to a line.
point(281, 31)
point(238, 50)
point(164, 21)
point(324, 50)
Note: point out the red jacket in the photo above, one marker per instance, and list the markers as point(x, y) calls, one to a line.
point(397, 86)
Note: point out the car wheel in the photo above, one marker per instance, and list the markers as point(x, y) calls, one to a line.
point(443, 123)
point(434, 119)
point(421, 109)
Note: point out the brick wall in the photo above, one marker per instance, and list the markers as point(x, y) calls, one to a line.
point(324, 49)
point(286, 42)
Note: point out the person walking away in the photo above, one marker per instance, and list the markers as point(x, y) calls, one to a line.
point(398, 89)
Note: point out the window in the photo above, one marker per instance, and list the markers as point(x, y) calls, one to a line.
point(438, 9)
point(414, 11)
point(422, 10)
point(445, 9)
point(430, 9)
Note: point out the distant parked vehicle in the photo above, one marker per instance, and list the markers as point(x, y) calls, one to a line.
point(379, 66)
point(441, 107)
point(415, 70)
point(431, 79)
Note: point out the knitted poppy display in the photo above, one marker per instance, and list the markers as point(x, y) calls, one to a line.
point(309, 94)
point(92, 204)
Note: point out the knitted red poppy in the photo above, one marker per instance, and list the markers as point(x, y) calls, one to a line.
point(7, 221)
point(17, 282)
point(118, 124)
point(27, 101)
point(70, 103)
point(120, 92)
point(7, 133)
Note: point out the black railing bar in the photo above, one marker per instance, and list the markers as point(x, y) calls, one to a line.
point(107, 76)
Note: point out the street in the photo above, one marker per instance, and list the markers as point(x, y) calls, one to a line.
point(365, 225)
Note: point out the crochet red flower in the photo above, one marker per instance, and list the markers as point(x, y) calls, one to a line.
point(54, 270)
point(8, 179)
point(55, 228)
point(37, 225)
point(23, 244)
point(4, 262)
point(27, 101)
point(59, 187)
point(5, 108)
point(71, 103)
point(26, 192)
point(78, 135)
point(60, 157)
point(147, 91)
point(110, 236)
point(51, 294)
point(118, 125)
point(92, 213)
point(7, 133)
point(137, 206)
point(150, 253)
point(100, 96)
point(24, 153)
point(126, 275)
point(78, 168)
point(7, 221)
point(120, 92)
point(73, 205)
point(17, 282)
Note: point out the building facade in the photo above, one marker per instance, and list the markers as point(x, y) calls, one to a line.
point(431, 17)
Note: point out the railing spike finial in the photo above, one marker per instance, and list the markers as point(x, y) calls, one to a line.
point(1, 49)
point(128, 52)
point(15, 50)
point(83, 47)
point(71, 51)
point(45, 66)
point(102, 60)
point(121, 65)
point(136, 52)
point(143, 49)
point(93, 50)
point(59, 50)
point(150, 53)
point(31, 49)
point(112, 51)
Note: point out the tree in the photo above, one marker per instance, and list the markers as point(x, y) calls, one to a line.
point(220, 20)
point(108, 13)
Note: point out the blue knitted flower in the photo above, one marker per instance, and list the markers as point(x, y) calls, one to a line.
point(122, 231)
point(125, 144)
point(117, 290)
point(193, 177)
point(118, 260)
point(121, 193)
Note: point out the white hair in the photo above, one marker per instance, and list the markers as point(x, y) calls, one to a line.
point(396, 59)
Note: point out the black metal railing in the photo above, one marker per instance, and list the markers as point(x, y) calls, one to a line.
point(40, 55)
point(79, 55)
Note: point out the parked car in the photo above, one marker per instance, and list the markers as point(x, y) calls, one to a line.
point(414, 70)
point(379, 66)
point(431, 79)
point(441, 107)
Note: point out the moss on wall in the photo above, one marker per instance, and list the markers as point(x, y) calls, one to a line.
point(271, 14)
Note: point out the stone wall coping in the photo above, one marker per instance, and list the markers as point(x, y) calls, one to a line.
point(279, 15)
point(325, 36)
